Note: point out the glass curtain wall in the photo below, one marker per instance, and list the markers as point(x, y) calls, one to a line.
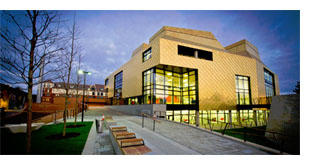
point(269, 83)
point(243, 92)
point(118, 84)
point(167, 87)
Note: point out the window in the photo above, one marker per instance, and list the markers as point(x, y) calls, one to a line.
point(269, 83)
point(118, 84)
point(162, 86)
point(196, 53)
point(147, 54)
point(106, 82)
point(243, 92)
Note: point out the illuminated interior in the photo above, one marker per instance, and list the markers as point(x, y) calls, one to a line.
point(170, 85)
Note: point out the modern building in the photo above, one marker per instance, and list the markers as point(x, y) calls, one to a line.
point(196, 78)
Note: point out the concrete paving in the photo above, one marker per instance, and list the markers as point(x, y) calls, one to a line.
point(159, 144)
point(169, 138)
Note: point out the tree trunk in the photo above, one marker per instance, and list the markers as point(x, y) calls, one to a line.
point(29, 119)
point(65, 113)
point(33, 43)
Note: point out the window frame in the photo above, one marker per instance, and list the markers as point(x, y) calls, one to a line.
point(119, 87)
point(268, 84)
point(237, 90)
point(146, 55)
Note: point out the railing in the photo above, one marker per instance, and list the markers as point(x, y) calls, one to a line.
point(278, 139)
point(151, 117)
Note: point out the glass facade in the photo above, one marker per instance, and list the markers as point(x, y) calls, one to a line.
point(269, 83)
point(161, 86)
point(218, 118)
point(183, 116)
point(243, 92)
point(118, 84)
point(147, 54)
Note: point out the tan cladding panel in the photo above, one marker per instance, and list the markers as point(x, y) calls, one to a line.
point(209, 42)
point(217, 89)
point(260, 79)
point(132, 71)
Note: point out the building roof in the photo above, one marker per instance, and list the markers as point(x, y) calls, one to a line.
point(198, 33)
point(61, 85)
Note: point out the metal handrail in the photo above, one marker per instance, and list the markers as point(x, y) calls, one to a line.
point(151, 117)
point(280, 144)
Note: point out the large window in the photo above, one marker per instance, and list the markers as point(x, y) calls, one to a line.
point(269, 83)
point(106, 82)
point(118, 84)
point(162, 86)
point(147, 54)
point(197, 53)
point(243, 92)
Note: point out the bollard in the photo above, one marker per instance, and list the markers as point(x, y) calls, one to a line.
point(153, 125)
point(142, 120)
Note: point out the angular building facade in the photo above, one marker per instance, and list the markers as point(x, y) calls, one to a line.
point(196, 78)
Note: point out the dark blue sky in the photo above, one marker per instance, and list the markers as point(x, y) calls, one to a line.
point(109, 37)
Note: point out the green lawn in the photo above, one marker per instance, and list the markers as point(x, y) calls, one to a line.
point(15, 144)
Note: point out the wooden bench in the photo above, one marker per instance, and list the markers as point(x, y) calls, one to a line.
point(126, 143)
point(124, 135)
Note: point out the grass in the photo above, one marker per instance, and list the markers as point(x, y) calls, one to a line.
point(15, 144)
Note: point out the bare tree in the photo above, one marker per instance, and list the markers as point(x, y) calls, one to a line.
point(78, 82)
point(66, 74)
point(28, 39)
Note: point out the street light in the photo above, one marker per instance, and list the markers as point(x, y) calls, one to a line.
point(84, 73)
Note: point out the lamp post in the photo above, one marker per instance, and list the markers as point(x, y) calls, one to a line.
point(84, 73)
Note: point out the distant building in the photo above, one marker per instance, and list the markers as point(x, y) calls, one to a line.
point(12, 98)
point(57, 89)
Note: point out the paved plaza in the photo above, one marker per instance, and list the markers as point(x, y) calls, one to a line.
point(169, 138)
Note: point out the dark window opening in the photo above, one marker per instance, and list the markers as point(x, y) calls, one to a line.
point(205, 55)
point(196, 53)
point(186, 51)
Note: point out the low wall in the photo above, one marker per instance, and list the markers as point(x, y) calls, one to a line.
point(285, 119)
point(139, 108)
